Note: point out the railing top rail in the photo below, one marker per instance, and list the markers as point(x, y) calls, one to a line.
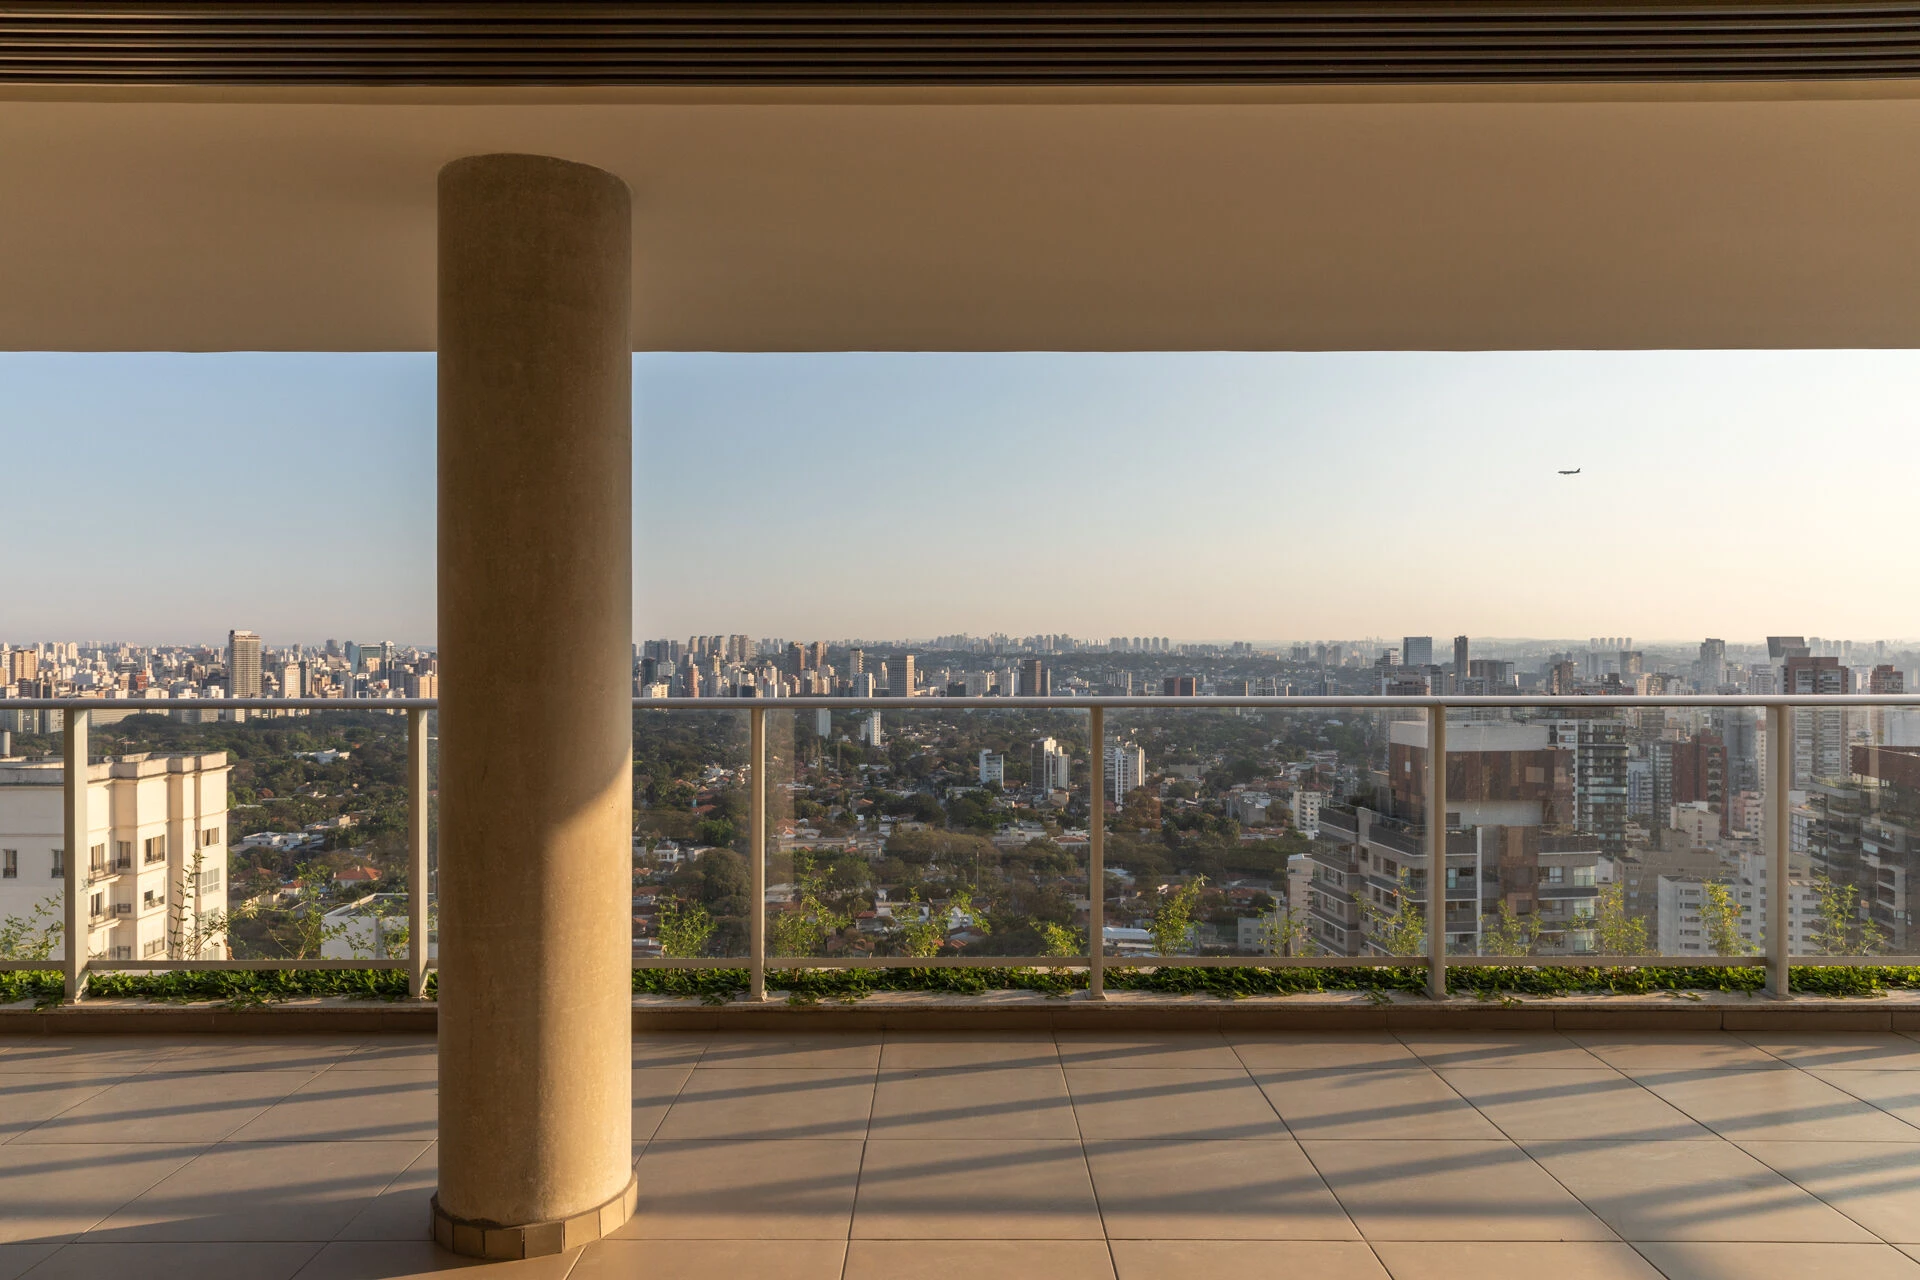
point(1302, 702)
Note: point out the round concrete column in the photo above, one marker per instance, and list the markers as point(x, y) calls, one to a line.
point(536, 724)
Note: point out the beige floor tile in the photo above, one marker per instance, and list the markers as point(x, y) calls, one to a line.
point(1631, 1051)
point(745, 1190)
point(1895, 1092)
point(1191, 1259)
point(960, 1189)
point(402, 1260)
point(1445, 1190)
point(1779, 1105)
point(670, 1051)
point(265, 1053)
point(1881, 1050)
point(711, 1260)
point(1170, 1102)
point(55, 1193)
point(1877, 1184)
point(1175, 1049)
point(1388, 1102)
point(1000, 1259)
point(86, 1055)
point(1305, 1050)
point(1689, 1191)
point(206, 1260)
point(1702, 1261)
point(17, 1259)
point(1513, 1260)
point(770, 1103)
point(1496, 1049)
point(1256, 1189)
point(167, 1107)
point(907, 1050)
point(654, 1092)
point(847, 1051)
point(404, 1208)
point(265, 1191)
point(1570, 1102)
point(352, 1106)
point(394, 1053)
point(973, 1102)
point(28, 1099)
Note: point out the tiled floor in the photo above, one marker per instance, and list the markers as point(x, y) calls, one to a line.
point(1349, 1157)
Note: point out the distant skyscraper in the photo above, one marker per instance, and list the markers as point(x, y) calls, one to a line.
point(1179, 687)
point(900, 680)
point(1713, 664)
point(1460, 658)
point(1819, 734)
point(1035, 680)
point(993, 769)
point(243, 664)
point(1126, 771)
point(1417, 651)
point(1049, 768)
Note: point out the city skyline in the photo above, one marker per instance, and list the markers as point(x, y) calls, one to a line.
point(1248, 495)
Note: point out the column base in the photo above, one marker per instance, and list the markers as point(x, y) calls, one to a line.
point(535, 1239)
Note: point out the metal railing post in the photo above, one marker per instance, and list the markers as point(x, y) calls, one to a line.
point(78, 826)
point(418, 797)
point(1437, 852)
point(757, 859)
point(1097, 854)
point(1779, 842)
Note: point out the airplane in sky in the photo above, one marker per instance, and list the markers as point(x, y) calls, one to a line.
point(1574, 472)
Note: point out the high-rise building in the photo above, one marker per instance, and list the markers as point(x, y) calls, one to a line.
point(1035, 680)
point(900, 678)
point(796, 658)
point(1819, 734)
point(1179, 687)
point(1713, 664)
point(1050, 767)
point(1416, 651)
point(993, 769)
point(1460, 658)
point(243, 664)
point(1126, 771)
point(155, 863)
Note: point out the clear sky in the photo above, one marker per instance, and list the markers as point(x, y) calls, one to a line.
point(166, 497)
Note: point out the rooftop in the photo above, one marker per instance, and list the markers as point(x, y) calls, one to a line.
point(1416, 1156)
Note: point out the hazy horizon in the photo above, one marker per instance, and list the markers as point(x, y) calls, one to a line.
point(1228, 496)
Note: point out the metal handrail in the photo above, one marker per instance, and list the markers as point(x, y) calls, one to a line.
point(1776, 959)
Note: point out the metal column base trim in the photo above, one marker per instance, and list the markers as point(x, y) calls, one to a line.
point(533, 1239)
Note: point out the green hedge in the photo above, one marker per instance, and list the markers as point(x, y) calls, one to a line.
point(810, 986)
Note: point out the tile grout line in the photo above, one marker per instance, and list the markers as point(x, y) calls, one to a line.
point(860, 1171)
point(1099, 1207)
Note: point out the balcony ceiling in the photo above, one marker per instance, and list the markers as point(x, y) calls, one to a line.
point(1705, 201)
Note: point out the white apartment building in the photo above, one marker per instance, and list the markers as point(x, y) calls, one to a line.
point(1305, 805)
point(1682, 932)
point(1126, 771)
point(154, 868)
point(993, 769)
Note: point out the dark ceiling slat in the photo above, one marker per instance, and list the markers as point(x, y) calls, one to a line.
point(908, 42)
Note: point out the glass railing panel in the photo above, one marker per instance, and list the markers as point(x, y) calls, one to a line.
point(1253, 832)
point(930, 832)
point(1855, 814)
point(692, 887)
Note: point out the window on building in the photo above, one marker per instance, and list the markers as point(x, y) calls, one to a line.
point(156, 849)
point(59, 863)
point(210, 836)
point(9, 864)
point(123, 853)
point(97, 858)
point(97, 906)
point(153, 948)
point(1584, 876)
